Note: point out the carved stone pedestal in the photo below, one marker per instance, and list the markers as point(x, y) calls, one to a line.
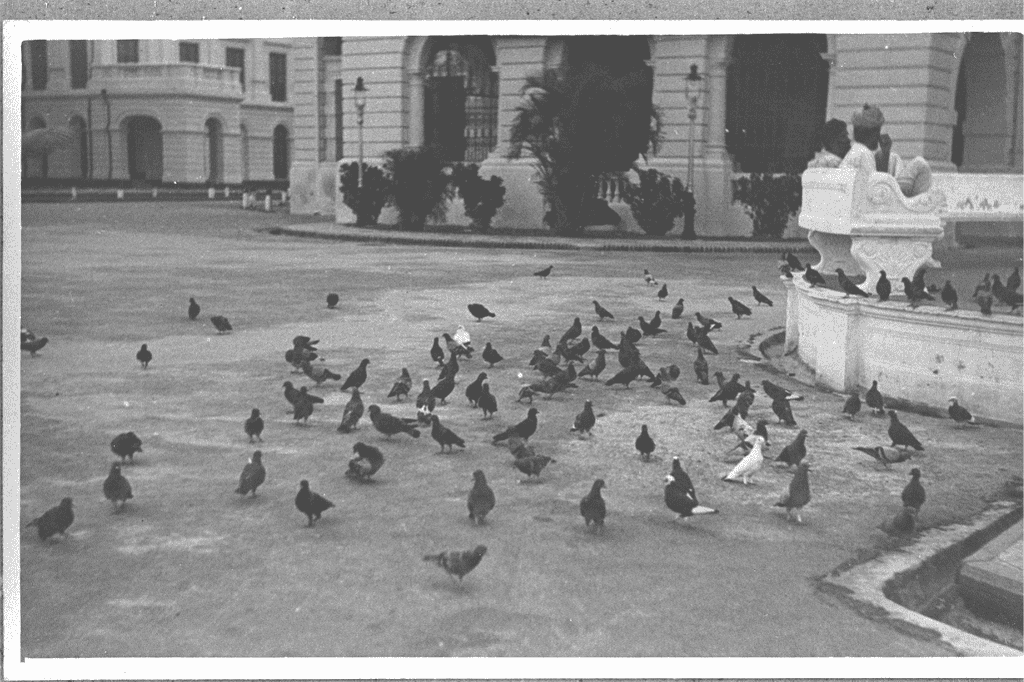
point(899, 256)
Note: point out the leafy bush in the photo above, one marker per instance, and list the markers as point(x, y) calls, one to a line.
point(368, 202)
point(770, 200)
point(419, 185)
point(657, 201)
point(482, 198)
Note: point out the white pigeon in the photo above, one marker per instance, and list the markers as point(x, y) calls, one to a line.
point(649, 278)
point(461, 336)
point(742, 428)
point(749, 465)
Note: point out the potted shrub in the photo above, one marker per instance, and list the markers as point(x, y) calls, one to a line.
point(770, 200)
point(657, 201)
point(419, 185)
point(367, 202)
point(482, 198)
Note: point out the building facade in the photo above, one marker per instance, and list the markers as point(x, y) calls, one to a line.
point(160, 111)
point(761, 100)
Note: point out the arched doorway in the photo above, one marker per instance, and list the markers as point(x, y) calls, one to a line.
point(215, 150)
point(982, 134)
point(280, 152)
point(244, 134)
point(145, 149)
point(461, 98)
point(35, 165)
point(776, 99)
point(80, 159)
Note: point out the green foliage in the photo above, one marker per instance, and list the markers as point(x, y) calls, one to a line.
point(657, 201)
point(577, 127)
point(419, 185)
point(770, 200)
point(368, 202)
point(482, 198)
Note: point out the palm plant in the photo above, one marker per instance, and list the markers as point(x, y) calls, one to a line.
point(578, 126)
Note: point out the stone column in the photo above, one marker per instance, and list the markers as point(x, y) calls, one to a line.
point(416, 104)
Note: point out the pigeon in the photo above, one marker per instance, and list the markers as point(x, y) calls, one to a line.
point(491, 356)
point(710, 324)
point(480, 311)
point(776, 392)
point(585, 420)
point(144, 356)
point(389, 424)
point(959, 414)
point(520, 448)
point(739, 308)
point(576, 351)
point(599, 340)
point(900, 434)
point(628, 353)
point(193, 309)
point(254, 425)
point(677, 309)
point(880, 454)
point(462, 336)
point(291, 394)
point(903, 523)
point(443, 435)
point(786, 271)
point(592, 507)
point(799, 493)
point(487, 402)
point(310, 503)
point(436, 353)
point(728, 390)
point(783, 411)
point(672, 393)
point(357, 377)
point(332, 301)
point(813, 277)
point(632, 335)
point(913, 494)
point(303, 406)
point(984, 300)
point(450, 369)
point(728, 419)
point(425, 403)
point(704, 341)
point(680, 499)
point(918, 280)
point(792, 261)
point(459, 563)
point(545, 344)
point(663, 292)
point(443, 388)
point(849, 287)
point(1013, 281)
point(761, 298)
point(682, 478)
point(116, 487)
point(984, 285)
point(949, 296)
point(302, 342)
point(915, 295)
point(648, 329)
point(883, 287)
point(401, 386)
point(700, 367)
point(367, 462)
point(852, 405)
point(750, 464)
point(34, 345)
point(1005, 295)
point(795, 452)
point(523, 429)
point(481, 498)
point(125, 445)
point(544, 273)
point(595, 366)
point(353, 412)
point(649, 278)
point(546, 366)
point(532, 465)
point(253, 475)
point(644, 444)
point(457, 348)
point(319, 374)
point(625, 376)
point(54, 520)
point(873, 399)
point(574, 330)
point(474, 390)
point(221, 323)
point(602, 312)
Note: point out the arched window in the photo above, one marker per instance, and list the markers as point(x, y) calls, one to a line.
point(461, 112)
point(776, 100)
point(145, 149)
point(280, 152)
point(77, 125)
point(983, 138)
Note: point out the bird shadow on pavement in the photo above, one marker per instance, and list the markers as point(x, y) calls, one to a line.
point(451, 586)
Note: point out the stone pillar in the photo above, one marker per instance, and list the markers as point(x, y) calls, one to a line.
point(416, 114)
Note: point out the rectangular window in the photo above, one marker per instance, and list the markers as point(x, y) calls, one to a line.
point(40, 68)
point(278, 83)
point(79, 57)
point(235, 56)
point(127, 52)
point(339, 127)
point(188, 52)
point(331, 47)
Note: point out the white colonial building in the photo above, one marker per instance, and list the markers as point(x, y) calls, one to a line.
point(161, 111)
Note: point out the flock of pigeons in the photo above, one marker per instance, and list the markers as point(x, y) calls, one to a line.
point(556, 372)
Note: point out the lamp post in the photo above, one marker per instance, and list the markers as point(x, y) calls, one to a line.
point(693, 86)
point(360, 98)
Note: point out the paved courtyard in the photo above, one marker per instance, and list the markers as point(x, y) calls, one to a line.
point(190, 569)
